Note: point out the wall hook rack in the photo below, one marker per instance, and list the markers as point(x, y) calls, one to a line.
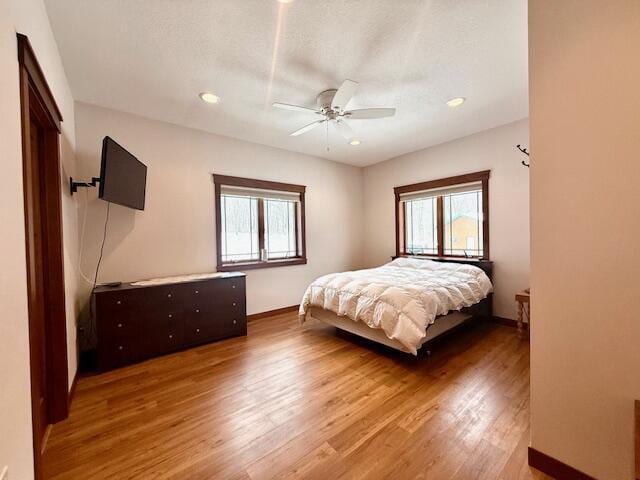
point(526, 152)
point(73, 186)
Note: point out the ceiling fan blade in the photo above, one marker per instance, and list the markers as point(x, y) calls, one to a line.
point(344, 94)
point(344, 129)
point(295, 108)
point(367, 113)
point(306, 128)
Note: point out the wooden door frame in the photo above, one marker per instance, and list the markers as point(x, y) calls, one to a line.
point(36, 100)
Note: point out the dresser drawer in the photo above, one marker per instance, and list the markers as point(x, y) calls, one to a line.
point(117, 305)
point(197, 292)
point(211, 311)
point(175, 337)
point(117, 352)
point(200, 329)
point(163, 299)
point(165, 335)
point(232, 326)
point(123, 325)
point(231, 311)
point(219, 292)
point(233, 290)
point(137, 302)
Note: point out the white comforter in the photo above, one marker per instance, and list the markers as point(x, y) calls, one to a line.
point(402, 297)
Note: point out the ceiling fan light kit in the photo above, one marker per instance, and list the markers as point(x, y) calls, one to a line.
point(331, 105)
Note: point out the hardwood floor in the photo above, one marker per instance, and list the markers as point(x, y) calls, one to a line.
point(305, 402)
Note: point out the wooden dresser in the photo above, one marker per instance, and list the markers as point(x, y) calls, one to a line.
point(134, 323)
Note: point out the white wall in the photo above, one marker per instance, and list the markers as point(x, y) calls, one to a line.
point(508, 201)
point(30, 18)
point(585, 185)
point(175, 233)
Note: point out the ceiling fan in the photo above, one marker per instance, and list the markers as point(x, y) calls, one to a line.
point(331, 106)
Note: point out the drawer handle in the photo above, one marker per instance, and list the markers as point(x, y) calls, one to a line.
point(233, 286)
point(197, 330)
point(170, 316)
point(119, 325)
point(170, 336)
point(197, 310)
point(168, 295)
point(234, 304)
point(120, 347)
point(118, 302)
point(234, 322)
point(197, 292)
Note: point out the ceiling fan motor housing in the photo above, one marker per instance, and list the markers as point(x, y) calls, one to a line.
point(325, 98)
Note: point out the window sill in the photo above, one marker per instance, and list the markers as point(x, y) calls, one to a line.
point(234, 267)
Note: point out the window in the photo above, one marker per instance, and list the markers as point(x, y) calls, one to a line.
point(446, 218)
point(259, 224)
point(240, 229)
point(421, 220)
point(280, 228)
point(463, 223)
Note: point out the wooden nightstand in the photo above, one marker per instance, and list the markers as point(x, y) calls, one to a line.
point(524, 309)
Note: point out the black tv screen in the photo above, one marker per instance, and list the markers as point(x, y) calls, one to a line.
point(123, 178)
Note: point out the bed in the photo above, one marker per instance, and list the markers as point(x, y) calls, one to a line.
point(402, 304)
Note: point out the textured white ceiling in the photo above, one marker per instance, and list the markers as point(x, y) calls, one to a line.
point(153, 57)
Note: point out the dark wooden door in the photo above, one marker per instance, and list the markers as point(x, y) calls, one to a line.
point(40, 119)
point(35, 202)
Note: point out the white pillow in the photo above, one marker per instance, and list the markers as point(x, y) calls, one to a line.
point(420, 263)
point(425, 264)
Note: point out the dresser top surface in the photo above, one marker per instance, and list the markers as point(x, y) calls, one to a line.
point(177, 280)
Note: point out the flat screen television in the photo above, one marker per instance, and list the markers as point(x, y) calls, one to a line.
point(123, 178)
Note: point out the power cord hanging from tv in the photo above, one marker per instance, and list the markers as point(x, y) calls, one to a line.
point(104, 239)
point(95, 278)
point(82, 236)
point(91, 333)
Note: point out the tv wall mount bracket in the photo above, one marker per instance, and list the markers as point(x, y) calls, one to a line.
point(73, 186)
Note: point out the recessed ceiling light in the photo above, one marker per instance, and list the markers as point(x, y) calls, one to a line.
point(285, 1)
point(209, 97)
point(456, 102)
point(355, 142)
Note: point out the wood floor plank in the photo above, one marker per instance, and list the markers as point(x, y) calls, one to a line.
point(305, 402)
point(322, 463)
